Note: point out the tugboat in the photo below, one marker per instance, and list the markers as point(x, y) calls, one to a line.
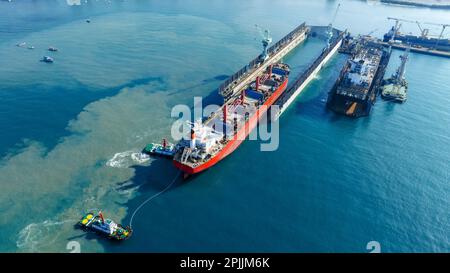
point(47, 59)
point(396, 88)
point(165, 149)
point(105, 227)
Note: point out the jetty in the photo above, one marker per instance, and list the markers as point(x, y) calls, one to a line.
point(421, 50)
point(304, 78)
point(233, 85)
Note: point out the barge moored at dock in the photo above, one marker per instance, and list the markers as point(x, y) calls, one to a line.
point(396, 87)
point(356, 88)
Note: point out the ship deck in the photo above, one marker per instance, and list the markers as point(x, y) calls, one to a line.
point(356, 83)
point(239, 109)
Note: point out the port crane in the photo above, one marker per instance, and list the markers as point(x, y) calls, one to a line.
point(330, 26)
point(444, 26)
point(423, 31)
point(371, 32)
point(266, 40)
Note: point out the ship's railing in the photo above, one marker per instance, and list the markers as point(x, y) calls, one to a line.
point(254, 63)
point(302, 78)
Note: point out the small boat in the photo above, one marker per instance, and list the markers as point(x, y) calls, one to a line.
point(106, 227)
point(396, 87)
point(164, 149)
point(88, 20)
point(22, 44)
point(52, 49)
point(31, 47)
point(395, 91)
point(47, 59)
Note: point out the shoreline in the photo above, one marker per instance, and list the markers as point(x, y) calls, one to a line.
point(417, 4)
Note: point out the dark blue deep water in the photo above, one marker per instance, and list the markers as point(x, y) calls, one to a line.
point(70, 132)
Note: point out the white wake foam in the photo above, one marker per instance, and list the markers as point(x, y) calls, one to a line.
point(37, 235)
point(140, 157)
point(127, 159)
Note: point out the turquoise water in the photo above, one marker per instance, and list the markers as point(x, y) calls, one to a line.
point(70, 130)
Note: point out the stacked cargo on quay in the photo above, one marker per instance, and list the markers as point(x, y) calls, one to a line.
point(356, 88)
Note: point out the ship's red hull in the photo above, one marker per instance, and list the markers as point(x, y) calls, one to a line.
point(238, 138)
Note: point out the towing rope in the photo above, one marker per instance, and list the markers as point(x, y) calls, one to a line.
point(152, 197)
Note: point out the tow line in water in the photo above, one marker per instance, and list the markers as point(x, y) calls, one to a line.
point(153, 197)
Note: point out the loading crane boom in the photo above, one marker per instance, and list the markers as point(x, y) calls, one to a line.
point(371, 32)
point(330, 26)
point(423, 31)
point(444, 26)
point(266, 40)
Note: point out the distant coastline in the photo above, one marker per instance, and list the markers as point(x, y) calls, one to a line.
point(420, 3)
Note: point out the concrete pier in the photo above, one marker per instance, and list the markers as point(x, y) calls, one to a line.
point(422, 50)
point(248, 73)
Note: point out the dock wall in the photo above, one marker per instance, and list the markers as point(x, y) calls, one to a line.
point(305, 78)
point(277, 51)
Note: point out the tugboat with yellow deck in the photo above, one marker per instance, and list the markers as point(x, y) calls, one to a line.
point(106, 227)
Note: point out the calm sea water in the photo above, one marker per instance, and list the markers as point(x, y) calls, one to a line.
point(70, 131)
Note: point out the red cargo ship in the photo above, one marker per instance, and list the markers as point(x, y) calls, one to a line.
point(225, 129)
